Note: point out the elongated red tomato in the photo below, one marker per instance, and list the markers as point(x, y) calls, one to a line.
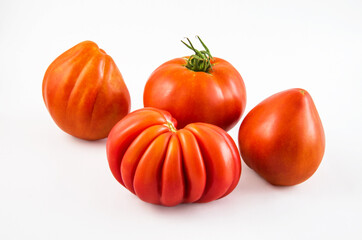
point(84, 92)
point(165, 166)
point(282, 138)
point(198, 88)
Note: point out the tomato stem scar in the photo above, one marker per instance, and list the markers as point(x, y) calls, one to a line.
point(171, 126)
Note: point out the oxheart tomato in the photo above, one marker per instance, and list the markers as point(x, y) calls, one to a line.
point(165, 166)
point(198, 88)
point(84, 92)
point(282, 138)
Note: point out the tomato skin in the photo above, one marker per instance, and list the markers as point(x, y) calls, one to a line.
point(165, 166)
point(218, 97)
point(84, 92)
point(282, 138)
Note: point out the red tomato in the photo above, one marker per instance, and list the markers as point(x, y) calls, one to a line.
point(84, 92)
point(216, 95)
point(282, 138)
point(165, 166)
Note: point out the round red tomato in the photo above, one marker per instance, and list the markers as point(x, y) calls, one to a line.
point(165, 166)
point(199, 88)
point(282, 138)
point(84, 92)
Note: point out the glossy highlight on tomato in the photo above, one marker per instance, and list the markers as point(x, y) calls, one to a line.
point(282, 138)
point(166, 166)
point(84, 92)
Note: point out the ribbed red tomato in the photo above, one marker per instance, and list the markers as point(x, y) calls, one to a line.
point(84, 92)
point(282, 138)
point(199, 88)
point(162, 165)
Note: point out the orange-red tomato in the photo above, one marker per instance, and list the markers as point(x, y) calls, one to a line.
point(282, 138)
point(84, 92)
point(212, 94)
point(165, 166)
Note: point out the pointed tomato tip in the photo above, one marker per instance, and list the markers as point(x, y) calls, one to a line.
point(88, 42)
point(301, 92)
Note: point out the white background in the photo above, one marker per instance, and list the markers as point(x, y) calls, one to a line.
point(54, 186)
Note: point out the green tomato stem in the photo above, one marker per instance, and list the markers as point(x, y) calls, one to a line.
point(200, 61)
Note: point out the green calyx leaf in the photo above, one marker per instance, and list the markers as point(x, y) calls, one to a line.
point(200, 61)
